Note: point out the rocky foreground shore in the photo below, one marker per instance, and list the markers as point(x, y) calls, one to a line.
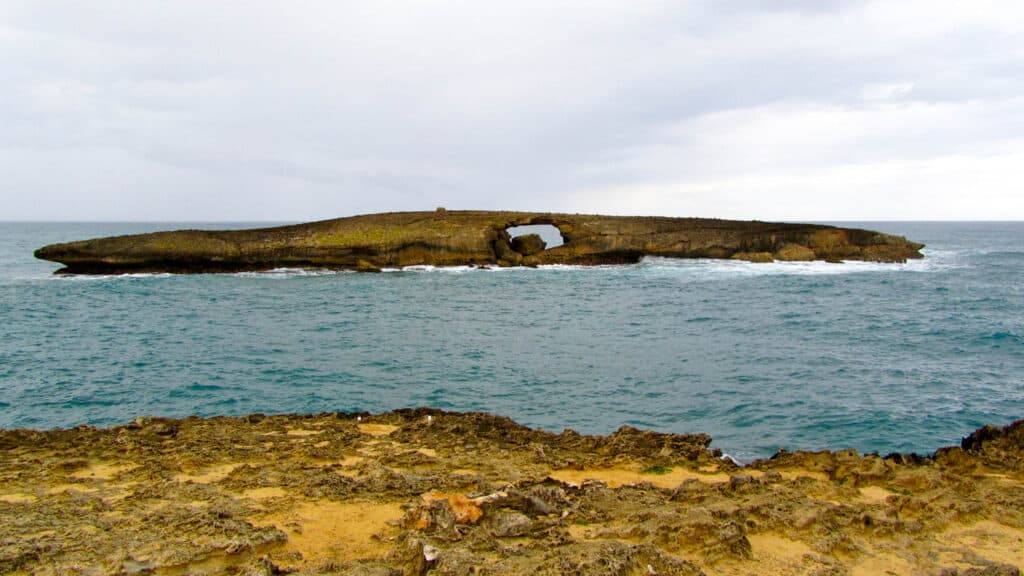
point(424, 491)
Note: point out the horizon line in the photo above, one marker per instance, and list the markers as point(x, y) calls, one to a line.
point(205, 221)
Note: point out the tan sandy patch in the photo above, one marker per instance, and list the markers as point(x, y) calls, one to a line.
point(465, 472)
point(879, 564)
point(990, 540)
point(344, 467)
point(874, 494)
point(209, 475)
point(427, 452)
point(778, 550)
point(264, 493)
point(324, 530)
point(102, 471)
point(322, 444)
point(581, 532)
point(302, 432)
point(216, 564)
point(615, 477)
point(377, 429)
point(17, 498)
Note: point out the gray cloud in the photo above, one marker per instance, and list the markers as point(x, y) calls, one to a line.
point(200, 111)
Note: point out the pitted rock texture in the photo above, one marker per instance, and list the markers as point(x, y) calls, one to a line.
point(429, 492)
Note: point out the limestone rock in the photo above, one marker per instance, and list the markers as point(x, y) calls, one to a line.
point(794, 253)
point(469, 238)
point(756, 257)
point(529, 244)
point(364, 266)
point(274, 494)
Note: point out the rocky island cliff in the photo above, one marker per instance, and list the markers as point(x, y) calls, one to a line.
point(460, 238)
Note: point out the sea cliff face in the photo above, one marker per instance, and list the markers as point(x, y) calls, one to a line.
point(459, 238)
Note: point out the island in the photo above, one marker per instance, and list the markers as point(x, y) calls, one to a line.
point(373, 242)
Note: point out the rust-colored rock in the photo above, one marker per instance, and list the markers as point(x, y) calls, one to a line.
point(465, 510)
point(453, 238)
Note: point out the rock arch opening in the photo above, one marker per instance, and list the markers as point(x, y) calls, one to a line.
point(525, 238)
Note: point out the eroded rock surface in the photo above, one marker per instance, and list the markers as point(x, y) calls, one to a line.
point(418, 491)
point(528, 244)
point(450, 238)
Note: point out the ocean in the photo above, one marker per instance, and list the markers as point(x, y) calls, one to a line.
point(876, 357)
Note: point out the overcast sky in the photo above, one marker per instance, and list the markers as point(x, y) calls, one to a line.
point(810, 110)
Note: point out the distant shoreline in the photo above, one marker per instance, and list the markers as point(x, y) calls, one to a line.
point(372, 242)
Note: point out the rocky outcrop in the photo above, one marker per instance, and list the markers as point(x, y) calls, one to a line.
point(792, 252)
point(528, 244)
point(422, 491)
point(755, 257)
point(450, 238)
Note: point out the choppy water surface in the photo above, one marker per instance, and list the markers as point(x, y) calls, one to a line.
point(761, 356)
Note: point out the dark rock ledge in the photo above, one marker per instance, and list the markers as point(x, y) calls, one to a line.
point(459, 238)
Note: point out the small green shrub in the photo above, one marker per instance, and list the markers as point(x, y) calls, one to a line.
point(657, 470)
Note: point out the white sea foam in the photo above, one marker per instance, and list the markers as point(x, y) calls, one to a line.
point(278, 273)
point(574, 267)
point(739, 268)
point(429, 268)
point(100, 277)
point(700, 267)
point(934, 260)
point(729, 458)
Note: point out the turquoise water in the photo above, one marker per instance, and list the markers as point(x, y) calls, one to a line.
point(761, 356)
